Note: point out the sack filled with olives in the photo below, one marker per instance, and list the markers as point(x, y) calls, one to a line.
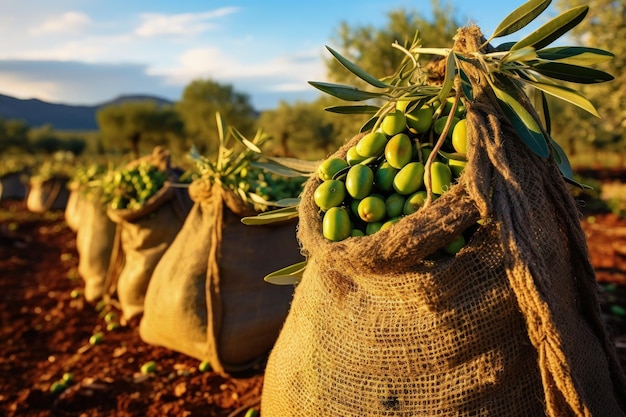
point(452, 288)
point(149, 211)
point(207, 298)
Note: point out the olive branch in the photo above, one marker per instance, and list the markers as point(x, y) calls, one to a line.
point(529, 62)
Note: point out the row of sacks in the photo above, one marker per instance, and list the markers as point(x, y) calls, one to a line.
point(40, 194)
point(189, 270)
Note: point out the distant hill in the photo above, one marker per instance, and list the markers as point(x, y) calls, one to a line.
point(37, 113)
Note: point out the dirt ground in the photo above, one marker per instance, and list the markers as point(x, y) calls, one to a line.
point(45, 332)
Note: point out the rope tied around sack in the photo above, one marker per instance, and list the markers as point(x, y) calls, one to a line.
point(530, 200)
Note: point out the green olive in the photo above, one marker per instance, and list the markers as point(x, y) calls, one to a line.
point(359, 181)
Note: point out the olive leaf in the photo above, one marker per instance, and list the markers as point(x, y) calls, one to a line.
point(290, 275)
point(575, 55)
point(523, 122)
point(506, 46)
point(572, 73)
point(456, 156)
point(448, 80)
point(245, 142)
point(344, 92)
point(564, 166)
point(273, 216)
point(353, 109)
point(369, 125)
point(277, 169)
point(553, 29)
point(466, 86)
point(299, 165)
point(566, 94)
point(526, 53)
point(353, 68)
point(561, 159)
point(520, 17)
point(541, 105)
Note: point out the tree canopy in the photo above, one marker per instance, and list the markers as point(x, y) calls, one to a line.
point(604, 27)
point(199, 103)
point(130, 124)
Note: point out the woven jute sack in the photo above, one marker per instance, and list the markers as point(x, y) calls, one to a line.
point(12, 187)
point(510, 326)
point(95, 237)
point(207, 297)
point(142, 237)
point(73, 209)
point(50, 194)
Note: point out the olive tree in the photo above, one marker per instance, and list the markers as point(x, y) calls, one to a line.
point(201, 100)
point(129, 124)
point(604, 27)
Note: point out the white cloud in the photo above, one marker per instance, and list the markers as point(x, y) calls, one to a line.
point(156, 24)
point(284, 73)
point(15, 86)
point(68, 22)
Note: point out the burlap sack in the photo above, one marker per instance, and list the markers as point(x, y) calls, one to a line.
point(50, 194)
point(95, 236)
point(207, 298)
point(12, 187)
point(73, 209)
point(142, 237)
point(510, 326)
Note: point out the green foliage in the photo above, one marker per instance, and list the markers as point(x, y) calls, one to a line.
point(605, 28)
point(134, 125)
point(200, 101)
point(510, 65)
point(368, 47)
point(13, 136)
point(130, 187)
point(233, 168)
point(301, 130)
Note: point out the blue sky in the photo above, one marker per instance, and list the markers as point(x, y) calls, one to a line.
point(90, 51)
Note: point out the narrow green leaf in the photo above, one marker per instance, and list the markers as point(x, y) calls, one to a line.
point(506, 46)
point(520, 55)
point(287, 202)
point(300, 165)
point(553, 29)
point(577, 184)
point(566, 94)
point(290, 275)
point(353, 68)
point(456, 156)
point(520, 17)
point(369, 125)
point(245, 142)
point(523, 122)
point(291, 209)
point(575, 55)
point(344, 92)
point(353, 109)
point(561, 158)
point(572, 73)
point(448, 81)
point(541, 105)
point(221, 128)
point(466, 86)
point(274, 216)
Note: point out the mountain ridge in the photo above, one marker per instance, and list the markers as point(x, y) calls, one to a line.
point(36, 113)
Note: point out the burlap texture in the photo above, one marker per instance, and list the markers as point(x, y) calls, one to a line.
point(207, 298)
point(142, 237)
point(95, 237)
point(510, 326)
point(12, 187)
point(51, 194)
point(73, 209)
